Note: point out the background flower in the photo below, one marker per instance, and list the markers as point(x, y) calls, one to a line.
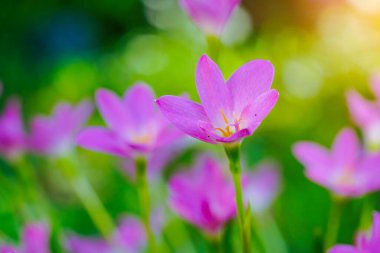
point(203, 196)
point(346, 170)
point(56, 135)
point(135, 126)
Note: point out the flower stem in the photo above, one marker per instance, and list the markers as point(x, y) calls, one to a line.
point(336, 211)
point(233, 154)
point(214, 47)
point(145, 206)
point(87, 196)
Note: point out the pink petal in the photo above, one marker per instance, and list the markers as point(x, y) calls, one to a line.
point(346, 147)
point(343, 249)
point(139, 99)
point(211, 16)
point(362, 111)
point(310, 154)
point(113, 111)
point(367, 173)
point(262, 187)
point(250, 81)
point(255, 113)
point(375, 85)
point(7, 249)
point(36, 238)
point(81, 113)
point(78, 244)
point(213, 91)
point(375, 231)
point(184, 114)
point(102, 140)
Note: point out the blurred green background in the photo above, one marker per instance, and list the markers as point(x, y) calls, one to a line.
point(65, 50)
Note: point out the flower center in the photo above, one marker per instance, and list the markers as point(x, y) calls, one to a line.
point(227, 131)
point(346, 177)
point(143, 139)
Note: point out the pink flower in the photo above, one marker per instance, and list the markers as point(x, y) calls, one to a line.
point(35, 239)
point(364, 243)
point(157, 160)
point(366, 114)
point(135, 126)
point(210, 15)
point(230, 110)
point(12, 133)
point(261, 186)
point(56, 135)
point(128, 237)
point(203, 196)
point(346, 170)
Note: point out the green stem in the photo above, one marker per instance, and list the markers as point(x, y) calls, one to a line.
point(366, 213)
point(144, 198)
point(336, 211)
point(233, 154)
point(215, 244)
point(87, 196)
point(32, 191)
point(214, 47)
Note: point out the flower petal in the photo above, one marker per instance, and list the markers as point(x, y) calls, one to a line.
point(311, 154)
point(139, 99)
point(81, 113)
point(211, 16)
point(113, 111)
point(102, 140)
point(250, 81)
point(213, 91)
point(362, 111)
point(255, 113)
point(375, 85)
point(343, 249)
point(184, 114)
point(346, 147)
point(36, 238)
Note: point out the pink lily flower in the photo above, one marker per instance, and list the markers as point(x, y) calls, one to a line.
point(261, 186)
point(366, 114)
point(56, 135)
point(135, 126)
point(364, 243)
point(230, 110)
point(212, 15)
point(35, 239)
point(12, 133)
point(128, 237)
point(203, 196)
point(346, 170)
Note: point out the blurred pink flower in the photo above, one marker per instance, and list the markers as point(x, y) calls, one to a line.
point(364, 243)
point(366, 114)
point(135, 126)
point(157, 160)
point(56, 135)
point(261, 186)
point(346, 170)
point(203, 196)
point(210, 15)
point(128, 237)
point(35, 239)
point(230, 110)
point(12, 133)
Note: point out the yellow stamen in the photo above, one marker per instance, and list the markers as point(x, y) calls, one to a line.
point(227, 131)
point(224, 116)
